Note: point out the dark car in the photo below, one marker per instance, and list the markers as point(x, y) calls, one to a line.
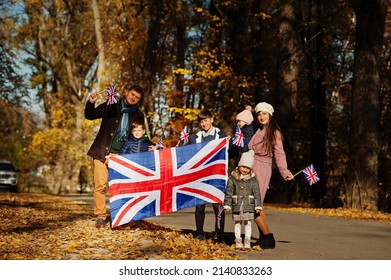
point(8, 176)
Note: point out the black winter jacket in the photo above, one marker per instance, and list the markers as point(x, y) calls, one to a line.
point(134, 145)
point(111, 117)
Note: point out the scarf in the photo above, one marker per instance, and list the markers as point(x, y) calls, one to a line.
point(245, 177)
point(124, 125)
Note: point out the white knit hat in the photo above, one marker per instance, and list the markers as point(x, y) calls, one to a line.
point(264, 107)
point(247, 159)
point(246, 115)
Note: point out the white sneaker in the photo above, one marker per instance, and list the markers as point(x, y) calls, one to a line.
point(238, 243)
point(247, 244)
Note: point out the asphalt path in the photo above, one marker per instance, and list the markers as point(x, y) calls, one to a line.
point(299, 236)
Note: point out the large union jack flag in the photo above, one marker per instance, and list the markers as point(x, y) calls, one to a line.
point(111, 95)
point(310, 174)
point(238, 137)
point(143, 185)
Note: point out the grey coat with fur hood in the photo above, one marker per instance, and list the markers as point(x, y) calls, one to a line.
point(243, 192)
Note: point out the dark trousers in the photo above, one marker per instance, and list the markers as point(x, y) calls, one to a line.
point(219, 218)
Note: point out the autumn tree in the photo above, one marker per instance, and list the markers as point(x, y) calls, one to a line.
point(59, 41)
point(385, 123)
point(362, 183)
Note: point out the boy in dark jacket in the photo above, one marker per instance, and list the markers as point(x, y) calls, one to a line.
point(137, 142)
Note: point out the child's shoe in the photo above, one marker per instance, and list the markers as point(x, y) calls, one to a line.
point(247, 244)
point(238, 243)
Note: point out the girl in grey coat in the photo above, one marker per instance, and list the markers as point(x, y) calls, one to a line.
point(243, 198)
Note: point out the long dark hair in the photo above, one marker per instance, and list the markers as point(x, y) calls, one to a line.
point(271, 128)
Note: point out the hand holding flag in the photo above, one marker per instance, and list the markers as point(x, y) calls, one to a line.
point(310, 174)
point(238, 138)
point(185, 135)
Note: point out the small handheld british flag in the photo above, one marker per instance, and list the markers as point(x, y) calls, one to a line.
point(111, 95)
point(160, 143)
point(185, 135)
point(238, 138)
point(310, 174)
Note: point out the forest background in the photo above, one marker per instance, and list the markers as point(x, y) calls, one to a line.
point(324, 65)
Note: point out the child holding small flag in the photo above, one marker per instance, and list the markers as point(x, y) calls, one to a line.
point(208, 133)
point(243, 134)
point(244, 121)
point(267, 144)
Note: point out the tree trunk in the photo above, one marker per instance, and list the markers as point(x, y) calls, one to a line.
point(362, 182)
point(291, 90)
point(99, 42)
point(318, 111)
point(150, 57)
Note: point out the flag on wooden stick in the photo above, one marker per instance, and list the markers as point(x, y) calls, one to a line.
point(310, 174)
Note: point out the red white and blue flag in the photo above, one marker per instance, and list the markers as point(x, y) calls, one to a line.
point(238, 137)
point(160, 143)
point(310, 174)
point(143, 185)
point(111, 95)
point(185, 135)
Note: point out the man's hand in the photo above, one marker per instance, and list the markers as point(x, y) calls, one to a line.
point(93, 97)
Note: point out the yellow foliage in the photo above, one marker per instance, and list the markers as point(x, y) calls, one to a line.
point(182, 71)
point(37, 80)
point(57, 117)
point(49, 142)
point(189, 113)
point(263, 15)
point(33, 2)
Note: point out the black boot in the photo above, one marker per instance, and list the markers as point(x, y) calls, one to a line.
point(266, 241)
point(261, 235)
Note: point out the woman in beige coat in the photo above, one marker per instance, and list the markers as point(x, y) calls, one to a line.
point(267, 143)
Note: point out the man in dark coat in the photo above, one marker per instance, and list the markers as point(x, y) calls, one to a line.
point(114, 130)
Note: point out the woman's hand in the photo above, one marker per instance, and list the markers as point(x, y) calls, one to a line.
point(289, 177)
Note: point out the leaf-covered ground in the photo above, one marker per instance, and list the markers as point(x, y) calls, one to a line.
point(338, 212)
point(44, 227)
